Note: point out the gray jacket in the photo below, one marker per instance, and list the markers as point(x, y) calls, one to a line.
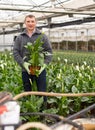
point(19, 50)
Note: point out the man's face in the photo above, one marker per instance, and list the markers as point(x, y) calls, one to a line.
point(30, 23)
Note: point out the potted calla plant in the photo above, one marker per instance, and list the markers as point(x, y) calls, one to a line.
point(36, 56)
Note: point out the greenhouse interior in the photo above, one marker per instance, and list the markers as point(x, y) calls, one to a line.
point(68, 85)
point(65, 22)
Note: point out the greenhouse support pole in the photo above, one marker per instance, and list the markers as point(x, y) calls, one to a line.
point(58, 42)
point(76, 41)
point(67, 40)
point(87, 40)
point(49, 22)
point(4, 38)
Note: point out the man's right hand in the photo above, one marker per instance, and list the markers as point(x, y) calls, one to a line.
point(26, 66)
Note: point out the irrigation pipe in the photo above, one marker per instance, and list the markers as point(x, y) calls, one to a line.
point(34, 125)
point(57, 117)
point(53, 94)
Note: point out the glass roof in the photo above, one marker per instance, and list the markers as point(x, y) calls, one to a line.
point(12, 12)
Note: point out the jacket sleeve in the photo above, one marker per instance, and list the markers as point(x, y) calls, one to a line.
point(17, 52)
point(47, 48)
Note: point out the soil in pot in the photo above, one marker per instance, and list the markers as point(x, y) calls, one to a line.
point(33, 69)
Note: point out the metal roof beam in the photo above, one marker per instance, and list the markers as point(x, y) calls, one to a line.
point(49, 10)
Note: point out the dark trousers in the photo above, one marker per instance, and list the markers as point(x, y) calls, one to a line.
point(40, 82)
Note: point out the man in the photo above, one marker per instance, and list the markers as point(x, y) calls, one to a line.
point(30, 34)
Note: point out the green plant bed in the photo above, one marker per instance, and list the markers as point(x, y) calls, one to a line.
point(74, 57)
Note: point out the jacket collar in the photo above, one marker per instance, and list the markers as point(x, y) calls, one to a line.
point(36, 31)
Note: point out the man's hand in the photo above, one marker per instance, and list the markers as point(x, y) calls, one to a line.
point(26, 66)
point(42, 68)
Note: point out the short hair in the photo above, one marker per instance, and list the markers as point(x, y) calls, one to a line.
point(30, 16)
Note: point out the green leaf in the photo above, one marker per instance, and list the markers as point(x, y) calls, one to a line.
point(74, 89)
